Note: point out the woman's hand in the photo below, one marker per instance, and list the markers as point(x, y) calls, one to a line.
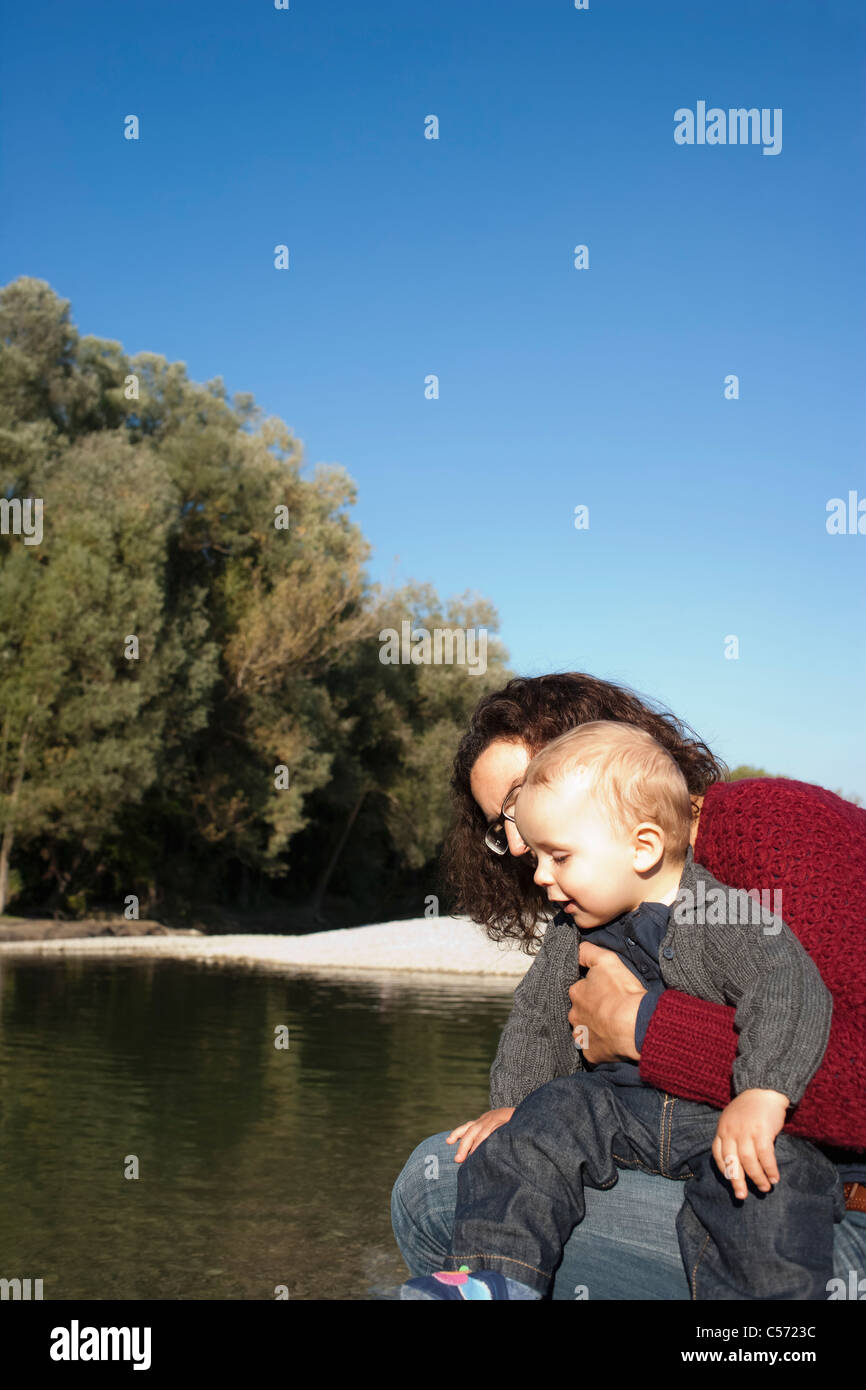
point(605, 1004)
point(474, 1132)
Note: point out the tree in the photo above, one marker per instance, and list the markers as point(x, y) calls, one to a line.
point(164, 527)
point(396, 728)
point(195, 619)
point(98, 680)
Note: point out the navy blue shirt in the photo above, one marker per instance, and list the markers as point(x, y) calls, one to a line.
point(637, 937)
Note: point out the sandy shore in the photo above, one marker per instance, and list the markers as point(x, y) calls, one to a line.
point(425, 945)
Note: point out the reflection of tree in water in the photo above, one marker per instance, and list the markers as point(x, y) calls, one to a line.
point(403, 1046)
point(258, 1166)
point(158, 1037)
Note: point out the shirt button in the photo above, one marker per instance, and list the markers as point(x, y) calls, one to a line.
point(668, 952)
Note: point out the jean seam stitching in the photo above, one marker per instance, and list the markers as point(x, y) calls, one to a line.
point(673, 1101)
point(662, 1122)
point(695, 1268)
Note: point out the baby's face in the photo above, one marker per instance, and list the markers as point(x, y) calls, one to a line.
point(585, 864)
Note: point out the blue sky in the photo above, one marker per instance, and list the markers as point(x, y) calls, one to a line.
point(558, 386)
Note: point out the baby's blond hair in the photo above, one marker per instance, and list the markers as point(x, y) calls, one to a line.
point(634, 778)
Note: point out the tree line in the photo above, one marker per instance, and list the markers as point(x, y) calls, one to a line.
point(193, 709)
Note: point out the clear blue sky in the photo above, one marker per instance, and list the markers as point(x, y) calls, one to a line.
point(558, 387)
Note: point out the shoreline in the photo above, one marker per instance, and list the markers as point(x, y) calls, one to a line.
point(421, 946)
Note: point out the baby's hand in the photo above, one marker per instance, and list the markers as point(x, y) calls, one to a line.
point(744, 1139)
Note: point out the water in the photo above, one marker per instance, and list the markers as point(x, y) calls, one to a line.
point(258, 1167)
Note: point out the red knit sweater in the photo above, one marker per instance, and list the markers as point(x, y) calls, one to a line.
point(769, 833)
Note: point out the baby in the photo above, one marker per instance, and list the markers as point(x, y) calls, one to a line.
point(607, 815)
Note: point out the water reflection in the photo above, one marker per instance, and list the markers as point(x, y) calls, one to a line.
point(258, 1166)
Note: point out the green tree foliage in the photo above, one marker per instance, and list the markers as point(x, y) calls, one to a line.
point(96, 727)
point(745, 770)
point(172, 643)
point(398, 726)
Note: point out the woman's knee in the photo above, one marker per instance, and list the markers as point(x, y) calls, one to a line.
point(426, 1171)
point(849, 1257)
point(422, 1204)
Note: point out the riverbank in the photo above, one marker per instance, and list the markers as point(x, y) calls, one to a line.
point(424, 945)
point(48, 929)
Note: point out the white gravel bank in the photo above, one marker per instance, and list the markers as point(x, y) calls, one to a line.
point(440, 945)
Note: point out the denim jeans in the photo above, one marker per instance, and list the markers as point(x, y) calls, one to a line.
point(522, 1192)
point(625, 1248)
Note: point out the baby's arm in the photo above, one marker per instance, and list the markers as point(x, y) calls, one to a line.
point(745, 1137)
point(783, 1013)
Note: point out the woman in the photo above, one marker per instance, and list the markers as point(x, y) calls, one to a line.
point(767, 833)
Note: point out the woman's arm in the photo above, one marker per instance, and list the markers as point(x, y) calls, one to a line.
point(690, 1047)
point(810, 845)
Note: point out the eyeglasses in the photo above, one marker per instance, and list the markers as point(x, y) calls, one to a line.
point(496, 837)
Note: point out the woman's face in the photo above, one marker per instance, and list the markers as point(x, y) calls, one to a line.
point(496, 771)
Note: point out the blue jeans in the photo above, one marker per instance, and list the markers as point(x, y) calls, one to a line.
point(521, 1193)
point(625, 1248)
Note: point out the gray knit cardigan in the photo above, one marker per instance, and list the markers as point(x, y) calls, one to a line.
point(783, 1007)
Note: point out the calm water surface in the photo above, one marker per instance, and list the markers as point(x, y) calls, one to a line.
point(257, 1166)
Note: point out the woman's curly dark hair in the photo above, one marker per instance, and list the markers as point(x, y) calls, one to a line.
point(497, 890)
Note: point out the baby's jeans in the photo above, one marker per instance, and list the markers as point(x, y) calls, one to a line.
point(520, 1194)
